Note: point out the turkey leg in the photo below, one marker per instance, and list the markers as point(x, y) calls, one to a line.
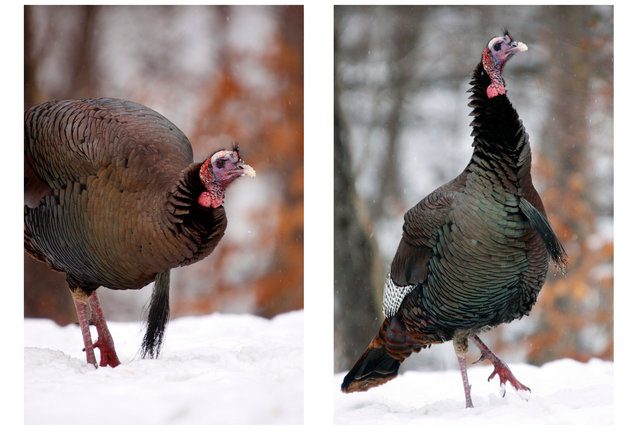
point(81, 301)
point(104, 343)
point(461, 346)
point(465, 381)
point(499, 367)
point(89, 311)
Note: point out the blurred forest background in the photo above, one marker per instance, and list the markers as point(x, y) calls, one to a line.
point(402, 129)
point(218, 73)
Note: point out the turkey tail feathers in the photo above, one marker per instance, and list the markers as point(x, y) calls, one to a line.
point(382, 358)
point(551, 242)
point(158, 316)
point(374, 368)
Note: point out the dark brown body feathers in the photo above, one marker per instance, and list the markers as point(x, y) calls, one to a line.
point(111, 199)
point(121, 188)
point(474, 253)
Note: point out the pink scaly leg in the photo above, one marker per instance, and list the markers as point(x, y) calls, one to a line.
point(104, 343)
point(499, 367)
point(461, 346)
point(465, 381)
point(81, 301)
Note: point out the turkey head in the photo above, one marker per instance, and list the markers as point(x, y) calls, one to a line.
point(218, 171)
point(495, 56)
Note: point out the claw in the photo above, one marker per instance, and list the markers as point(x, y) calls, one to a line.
point(108, 356)
point(480, 359)
point(499, 368)
point(505, 374)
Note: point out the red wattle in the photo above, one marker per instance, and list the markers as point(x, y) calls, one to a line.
point(209, 200)
point(493, 90)
point(205, 200)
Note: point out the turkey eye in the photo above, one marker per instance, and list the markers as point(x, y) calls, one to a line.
point(497, 46)
point(220, 163)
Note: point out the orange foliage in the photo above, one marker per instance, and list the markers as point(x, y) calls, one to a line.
point(268, 122)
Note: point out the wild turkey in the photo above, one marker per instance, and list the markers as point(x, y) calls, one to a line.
point(475, 252)
point(113, 199)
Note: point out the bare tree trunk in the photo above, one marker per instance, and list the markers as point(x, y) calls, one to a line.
point(84, 59)
point(29, 69)
point(46, 293)
point(355, 286)
point(354, 261)
point(401, 62)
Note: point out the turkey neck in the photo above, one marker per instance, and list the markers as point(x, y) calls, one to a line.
point(199, 228)
point(500, 140)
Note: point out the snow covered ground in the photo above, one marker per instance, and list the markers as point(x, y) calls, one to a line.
point(242, 369)
point(563, 392)
point(216, 369)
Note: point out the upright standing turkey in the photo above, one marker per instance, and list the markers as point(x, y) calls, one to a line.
point(113, 199)
point(475, 252)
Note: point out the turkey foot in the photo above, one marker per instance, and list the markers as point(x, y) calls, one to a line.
point(90, 312)
point(499, 367)
point(108, 356)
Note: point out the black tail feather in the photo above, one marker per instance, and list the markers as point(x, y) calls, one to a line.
point(158, 316)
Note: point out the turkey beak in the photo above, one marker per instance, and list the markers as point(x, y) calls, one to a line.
point(245, 170)
point(248, 170)
point(517, 46)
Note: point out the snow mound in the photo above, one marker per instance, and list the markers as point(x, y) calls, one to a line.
point(563, 391)
point(216, 369)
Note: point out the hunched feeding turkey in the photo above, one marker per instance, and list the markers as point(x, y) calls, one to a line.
point(113, 198)
point(475, 252)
